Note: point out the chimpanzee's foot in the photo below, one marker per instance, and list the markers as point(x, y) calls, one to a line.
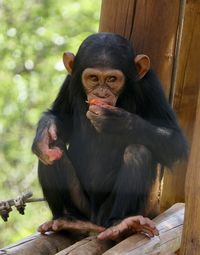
point(65, 224)
point(128, 227)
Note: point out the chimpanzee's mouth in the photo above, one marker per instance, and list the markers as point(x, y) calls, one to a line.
point(99, 102)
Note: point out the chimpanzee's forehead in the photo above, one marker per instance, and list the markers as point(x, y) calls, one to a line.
point(105, 50)
point(104, 57)
point(107, 42)
point(106, 37)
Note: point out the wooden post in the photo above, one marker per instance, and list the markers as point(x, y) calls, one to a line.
point(186, 95)
point(191, 232)
point(150, 25)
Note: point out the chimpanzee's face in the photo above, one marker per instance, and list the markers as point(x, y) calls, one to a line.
point(103, 83)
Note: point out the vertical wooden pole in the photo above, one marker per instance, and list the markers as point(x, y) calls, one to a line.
point(186, 96)
point(191, 232)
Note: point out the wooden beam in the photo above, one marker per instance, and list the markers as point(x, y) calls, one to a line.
point(169, 225)
point(89, 245)
point(186, 97)
point(49, 243)
point(191, 233)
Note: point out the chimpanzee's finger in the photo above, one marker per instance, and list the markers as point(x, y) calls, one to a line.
point(45, 162)
point(150, 223)
point(110, 233)
point(90, 115)
point(145, 229)
point(52, 131)
point(138, 224)
point(47, 226)
point(54, 154)
point(95, 109)
point(107, 111)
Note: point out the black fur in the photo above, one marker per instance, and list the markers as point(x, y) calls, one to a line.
point(110, 172)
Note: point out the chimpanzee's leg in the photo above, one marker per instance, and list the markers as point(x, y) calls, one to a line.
point(62, 189)
point(66, 198)
point(130, 193)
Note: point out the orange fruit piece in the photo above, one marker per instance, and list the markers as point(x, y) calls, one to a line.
point(98, 102)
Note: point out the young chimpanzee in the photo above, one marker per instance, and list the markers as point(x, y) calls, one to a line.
point(100, 143)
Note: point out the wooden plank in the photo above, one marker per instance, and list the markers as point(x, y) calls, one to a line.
point(186, 96)
point(49, 243)
point(191, 233)
point(117, 16)
point(154, 33)
point(169, 224)
point(89, 245)
point(150, 25)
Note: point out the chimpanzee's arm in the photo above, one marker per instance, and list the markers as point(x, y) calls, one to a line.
point(153, 125)
point(157, 127)
point(54, 128)
point(49, 141)
point(167, 144)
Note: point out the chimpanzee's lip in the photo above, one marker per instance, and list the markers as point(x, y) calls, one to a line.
point(99, 102)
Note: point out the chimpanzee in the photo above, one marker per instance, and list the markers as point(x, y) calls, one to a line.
point(100, 143)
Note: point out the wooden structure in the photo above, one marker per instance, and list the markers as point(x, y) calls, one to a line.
point(191, 233)
point(169, 224)
point(169, 32)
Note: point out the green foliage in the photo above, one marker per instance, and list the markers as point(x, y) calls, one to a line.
point(33, 36)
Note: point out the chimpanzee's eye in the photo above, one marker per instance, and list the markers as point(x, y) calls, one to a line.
point(93, 78)
point(111, 79)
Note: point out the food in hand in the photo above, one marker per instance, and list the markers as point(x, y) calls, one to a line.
point(98, 102)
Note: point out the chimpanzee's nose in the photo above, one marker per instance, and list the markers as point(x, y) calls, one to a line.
point(102, 92)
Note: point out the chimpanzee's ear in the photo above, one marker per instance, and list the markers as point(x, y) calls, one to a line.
point(68, 60)
point(142, 63)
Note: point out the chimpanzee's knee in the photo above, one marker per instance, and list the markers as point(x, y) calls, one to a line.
point(137, 155)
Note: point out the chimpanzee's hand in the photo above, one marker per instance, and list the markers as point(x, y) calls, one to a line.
point(129, 226)
point(110, 119)
point(43, 144)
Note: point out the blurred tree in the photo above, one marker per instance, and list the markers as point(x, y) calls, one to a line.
point(33, 36)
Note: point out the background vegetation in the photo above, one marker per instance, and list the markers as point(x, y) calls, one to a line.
point(33, 36)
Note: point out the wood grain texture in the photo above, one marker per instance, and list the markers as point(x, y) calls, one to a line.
point(150, 25)
point(191, 233)
point(88, 246)
point(38, 244)
point(186, 97)
point(169, 224)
